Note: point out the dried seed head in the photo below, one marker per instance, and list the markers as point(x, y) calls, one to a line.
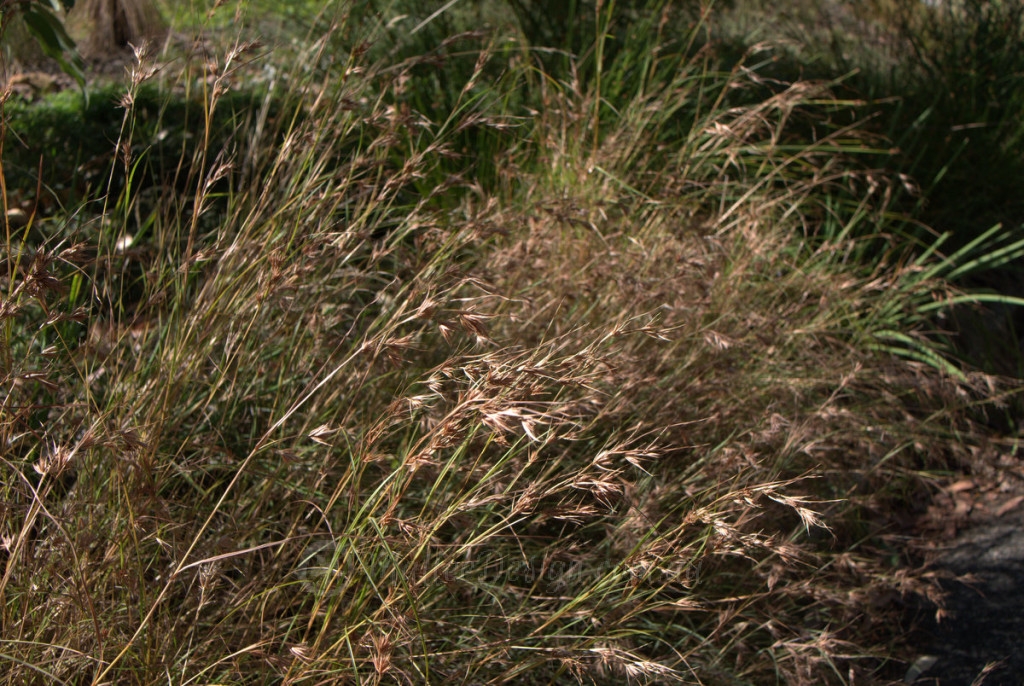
point(382, 649)
point(55, 462)
point(321, 433)
point(303, 652)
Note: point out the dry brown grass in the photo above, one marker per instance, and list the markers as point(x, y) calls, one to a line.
point(609, 421)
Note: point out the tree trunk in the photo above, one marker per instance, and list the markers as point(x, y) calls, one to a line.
point(113, 25)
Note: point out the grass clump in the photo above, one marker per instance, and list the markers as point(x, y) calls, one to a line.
point(943, 81)
point(576, 404)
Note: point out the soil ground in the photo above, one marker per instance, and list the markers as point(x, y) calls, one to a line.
point(976, 531)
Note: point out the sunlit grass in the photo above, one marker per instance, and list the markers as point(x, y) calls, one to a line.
point(502, 376)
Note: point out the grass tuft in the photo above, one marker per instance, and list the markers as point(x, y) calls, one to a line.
point(461, 366)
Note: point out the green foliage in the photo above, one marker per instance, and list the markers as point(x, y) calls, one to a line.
point(944, 82)
point(963, 133)
point(70, 139)
point(944, 86)
point(42, 19)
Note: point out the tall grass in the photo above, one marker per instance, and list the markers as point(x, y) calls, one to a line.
point(341, 411)
point(941, 81)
